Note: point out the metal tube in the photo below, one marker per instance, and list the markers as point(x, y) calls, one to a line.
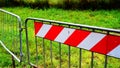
point(77, 25)
point(1, 16)
point(51, 54)
point(69, 55)
point(80, 58)
point(13, 62)
point(13, 40)
point(16, 35)
point(92, 59)
point(60, 53)
point(106, 59)
point(36, 50)
point(43, 46)
point(3, 45)
point(28, 53)
point(20, 36)
point(92, 55)
point(10, 13)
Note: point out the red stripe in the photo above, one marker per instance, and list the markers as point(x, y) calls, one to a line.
point(53, 32)
point(37, 26)
point(113, 42)
point(101, 47)
point(77, 37)
point(107, 44)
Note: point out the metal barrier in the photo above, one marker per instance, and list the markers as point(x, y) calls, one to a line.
point(55, 49)
point(51, 52)
point(10, 34)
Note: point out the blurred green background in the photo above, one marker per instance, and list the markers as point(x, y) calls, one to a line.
point(67, 4)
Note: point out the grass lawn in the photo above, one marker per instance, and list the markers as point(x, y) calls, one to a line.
point(101, 18)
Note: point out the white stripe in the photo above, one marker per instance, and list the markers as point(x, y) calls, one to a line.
point(91, 40)
point(64, 35)
point(115, 52)
point(44, 30)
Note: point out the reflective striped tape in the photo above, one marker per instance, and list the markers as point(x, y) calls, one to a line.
point(91, 40)
point(96, 42)
point(64, 34)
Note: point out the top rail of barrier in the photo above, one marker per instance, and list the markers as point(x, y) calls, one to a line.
point(71, 24)
point(19, 19)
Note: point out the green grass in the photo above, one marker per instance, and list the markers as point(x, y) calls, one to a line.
point(101, 18)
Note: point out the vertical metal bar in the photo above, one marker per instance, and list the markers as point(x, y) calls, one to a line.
point(92, 56)
point(13, 62)
point(80, 58)
point(51, 57)
point(1, 24)
point(69, 55)
point(92, 59)
point(4, 25)
point(9, 26)
point(43, 52)
point(36, 50)
point(51, 54)
point(28, 53)
point(16, 35)
point(20, 37)
point(106, 57)
point(13, 29)
point(60, 53)
point(6, 29)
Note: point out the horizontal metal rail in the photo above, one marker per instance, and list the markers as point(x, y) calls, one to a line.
point(19, 19)
point(3, 45)
point(77, 25)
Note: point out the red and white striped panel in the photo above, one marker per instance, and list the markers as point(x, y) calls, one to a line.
point(96, 42)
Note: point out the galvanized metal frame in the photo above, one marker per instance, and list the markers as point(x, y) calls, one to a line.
point(67, 24)
point(81, 26)
point(20, 35)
